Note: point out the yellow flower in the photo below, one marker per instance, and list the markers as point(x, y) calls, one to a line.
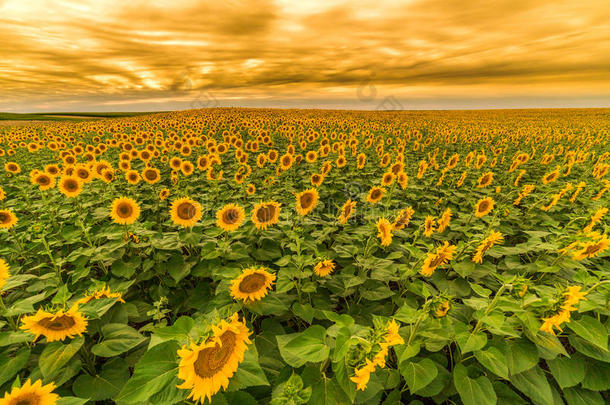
point(70, 186)
point(31, 394)
point(252, 284)
point(444, 220)
point(7, 219)
point(429, 225)
point(485, 180)
point(307, 201)
point(363, 375)
point(207, 367)
point(57, 326)
point(403, 218)
point(185, 212)
point(493, 238)
point(100, 294)
point(324, 268)
point(124, 211)
point(265, 214)
point(440, 257)
point(442, 309)
point(483, 207)
point(375, 194)
point(230, 217)
point(346, 211)
point(592, 249)
point(4, 273)
point(384, 231)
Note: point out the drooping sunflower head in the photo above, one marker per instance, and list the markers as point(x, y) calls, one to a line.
point(252, 284)
point(31, 394)
point(265, 214)
point(324, 268)
point(307, 201)
point(403, 218)
point(375, 194)
point(55, 326)
point(7, 219)
point(346, 211)
point(4, 273)
point(185, 212)
point(104, 292)
point(124, 211)
point(483, 207)
point(207, 367)
point(230, 217)
point(70, 186)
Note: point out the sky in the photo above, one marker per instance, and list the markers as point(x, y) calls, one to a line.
point(117, 55)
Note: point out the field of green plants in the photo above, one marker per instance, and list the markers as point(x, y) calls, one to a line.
point(266, 256)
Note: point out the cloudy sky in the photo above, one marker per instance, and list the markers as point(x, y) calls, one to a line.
point(117, 55)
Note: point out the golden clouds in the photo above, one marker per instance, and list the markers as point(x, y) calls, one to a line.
point(167, 54)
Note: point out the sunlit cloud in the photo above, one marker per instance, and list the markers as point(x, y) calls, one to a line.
point(89, 55)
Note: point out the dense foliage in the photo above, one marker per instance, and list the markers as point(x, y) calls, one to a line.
point(307, 257)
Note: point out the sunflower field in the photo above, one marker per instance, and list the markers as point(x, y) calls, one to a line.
point(265, 256)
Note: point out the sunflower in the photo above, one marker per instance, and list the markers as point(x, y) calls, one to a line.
point(132, 177)
point(7, 219)
point(207, 367)
point(124, 211)
point(185, 212)
point(592, 249)
point(441, 256)
point(57, 326)
point(70, 186)
point(485, 180)
point(551, 176)
point(252, 284)
point(12, 167)
point(444, 220)
point(151, 175)
point(324, 268)
point(44, 181)
point(265, 214)
point(483, 207)
point(230, 217)
point(493, 238)
point(316, 179)
point(31, 394)
point(375, 194)
point(286, 161)
point(83, 173)
point(2, 194)
point(4, 273)
point(403, 218)
point(104, 292)
point(346, 211)
point(251, 189)
point(361, 160)
point(163, 194)
point(429, 225)
point(403, 180)
point(384, 231)
point(387, 179)
point(307, 201)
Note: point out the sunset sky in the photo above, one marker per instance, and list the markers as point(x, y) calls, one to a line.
point(108, 55)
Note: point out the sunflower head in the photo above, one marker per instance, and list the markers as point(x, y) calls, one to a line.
point(230, 217)
point(4, 273)
point(384, 231)
point(151, 175)
point(375, 194)
point(164, 193)
point(265, 214)
point(44, 180)
point(185, 212)
point(7, 219)
point(252, 284)
point(124, 211)
point(70, 186)
point(207, 367)
point(483, 207)
point(324, 268)
point(307, 201)
point(251, 189)
point(346, 211)
point(55, 326)
point(31, 394)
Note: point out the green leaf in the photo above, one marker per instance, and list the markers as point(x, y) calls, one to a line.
point(418, 374)
point(493, 360)
point(597, 376)
point(56, 354)
point(308, 346)
point(534, 384)
point(9, 366)
point(589, 350)
point(71, 401)
point(156, 370)
point(118, 338)
point(578, 396)
point(177, 268)
point(521, 355)
point(469, 342)
point(473, 391)
point(591, 330)
point(105, 385)
point(567, 371)
point(249, 373)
